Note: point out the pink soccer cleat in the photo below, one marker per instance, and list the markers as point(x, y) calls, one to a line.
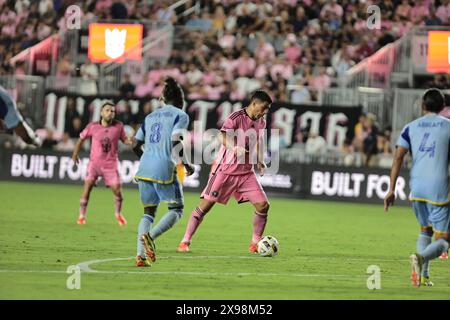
point(253, 247)
point(183, 247)
point(444, 256)
point(121, 220)
point(81, 220)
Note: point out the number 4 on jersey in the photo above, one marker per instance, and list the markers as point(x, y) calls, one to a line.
point(423, 145)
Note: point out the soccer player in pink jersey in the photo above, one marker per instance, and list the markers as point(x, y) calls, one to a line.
point(105, 135)
point(233, 173)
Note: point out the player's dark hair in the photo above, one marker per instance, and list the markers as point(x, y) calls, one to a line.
point(107, 103)
point(261, 95)
point(433, 100)
point(172, 93)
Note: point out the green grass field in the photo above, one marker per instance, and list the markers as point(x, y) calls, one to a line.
point(325, 250)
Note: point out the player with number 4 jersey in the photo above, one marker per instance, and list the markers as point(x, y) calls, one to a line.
point(428, 141)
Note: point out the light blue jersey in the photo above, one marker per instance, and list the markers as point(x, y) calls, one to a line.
point(428, 140)
point(156, 132)
point(8, 110)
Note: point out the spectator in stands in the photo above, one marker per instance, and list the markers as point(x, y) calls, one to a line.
point(218, 19)
point(126, 116)
point(386, 38)
point(301, 93)
point(119, 11)
point(347, 153)
point(264, 50)
point(300, 21)
point(66, 144)
point(64, 71)
point(144, 88)
point(127, 88)
point(443, 12)
point(49, 142)
point(433, 19)
point(146, 110)
point(292, 50)
point(370, 141)
point(419, 12)
point(315, 145)
point(322, 80)
point(43, 30)
point(164, 13)
point(70, 114)
point(439, 81)
point(76, 128)
point(89, 76)
point(403, 10)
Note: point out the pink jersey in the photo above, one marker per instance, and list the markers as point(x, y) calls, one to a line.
point(227, 161)
point(105, 141)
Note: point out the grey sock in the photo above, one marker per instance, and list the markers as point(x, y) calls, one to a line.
point(166, 222)
point(144, 227)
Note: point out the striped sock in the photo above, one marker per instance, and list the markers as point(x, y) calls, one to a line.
point(259, 224)
point(83, 206)
point(194, 221)
point(118, 204)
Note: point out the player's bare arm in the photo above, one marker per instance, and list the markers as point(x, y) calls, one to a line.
point(76, 151)
point(400, 153)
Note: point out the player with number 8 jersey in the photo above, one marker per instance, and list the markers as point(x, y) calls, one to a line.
point(161, 135)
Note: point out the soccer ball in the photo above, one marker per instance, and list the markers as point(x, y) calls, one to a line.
point(268, 246)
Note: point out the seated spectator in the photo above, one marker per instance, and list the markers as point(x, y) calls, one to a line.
point(76, 128)
point(89, 76)
point(322, 80)
point(315, 145)
point(194, 75)
point(403, 10)
point(292, 50)
point(301, 93)
point(245, 65)
point(144, 88)
point(66, 144)
point(127, 88)
point(64, 71)
point(70, 114)
point(443, 12)
point(419, 12)
point(126, 116)
point(49, 141)
point(370, 141)
point(347, 153)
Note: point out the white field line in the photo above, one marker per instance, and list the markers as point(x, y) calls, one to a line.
point(86, 267)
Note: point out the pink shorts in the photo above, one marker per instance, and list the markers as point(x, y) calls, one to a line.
point(244, 188)
point(109, 173)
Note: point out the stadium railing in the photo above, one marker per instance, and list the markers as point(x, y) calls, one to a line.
point(38, 59)
point(395, 63)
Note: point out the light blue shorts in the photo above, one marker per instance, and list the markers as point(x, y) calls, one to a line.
point(428, 214)
point(152, 193)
